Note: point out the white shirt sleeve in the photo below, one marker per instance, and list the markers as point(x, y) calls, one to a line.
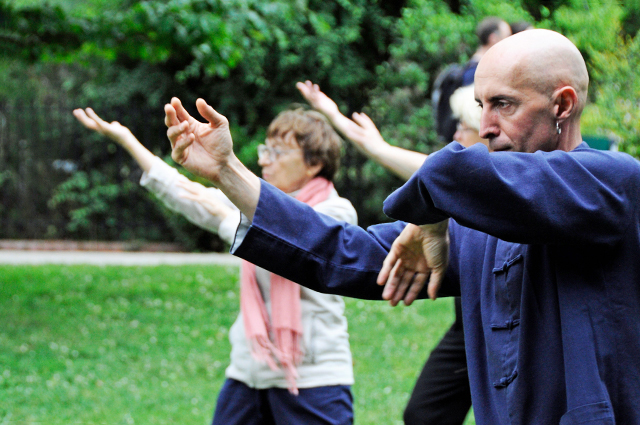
point(161, 181)
point(339, 208)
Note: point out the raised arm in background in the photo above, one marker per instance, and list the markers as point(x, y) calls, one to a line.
point(119, 134)
point(363, 133)
point(176, 191)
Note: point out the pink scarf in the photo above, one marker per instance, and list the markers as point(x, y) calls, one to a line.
point(278, 339)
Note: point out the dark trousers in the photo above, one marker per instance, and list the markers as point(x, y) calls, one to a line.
point(240, 405)
point(442, 395)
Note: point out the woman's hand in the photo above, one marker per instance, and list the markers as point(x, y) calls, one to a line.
point(114, 130)
point(119, 134)
point(361, 130)
point(317, 99)
point(365, 134)
point(198, 193)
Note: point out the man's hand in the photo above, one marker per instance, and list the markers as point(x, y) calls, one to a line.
point(206, 149)
point(418, 253)
point(114, 130)
point(202, 148)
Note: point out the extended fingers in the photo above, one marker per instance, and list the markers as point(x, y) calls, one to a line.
point(405, 279)
point(417, 284)
point(304, 89)
point(81, 115)
point(181, 113)
point(392, 282)
point(176, 131)
point(437, 275)
point(311, 92)
point(170, 116)
point(387, 265)
point(315, 89)
point(91, 114)
point(311, 88)
point(211, 114)
point(180, 150)
point(363, 120)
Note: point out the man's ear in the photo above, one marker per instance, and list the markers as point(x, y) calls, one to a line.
point(565, 101)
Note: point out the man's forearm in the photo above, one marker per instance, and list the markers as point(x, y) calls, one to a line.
point(241, 186)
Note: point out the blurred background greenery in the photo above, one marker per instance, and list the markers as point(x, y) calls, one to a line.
point(127, 58)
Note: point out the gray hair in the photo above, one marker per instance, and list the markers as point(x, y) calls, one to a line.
point(464, 106)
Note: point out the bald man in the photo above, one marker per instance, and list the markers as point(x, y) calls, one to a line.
point(541, 238)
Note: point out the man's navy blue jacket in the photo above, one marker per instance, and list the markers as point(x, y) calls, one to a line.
point(545, 252)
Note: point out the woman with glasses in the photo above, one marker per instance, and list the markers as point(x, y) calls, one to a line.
point(290, 356)
point(441, 393)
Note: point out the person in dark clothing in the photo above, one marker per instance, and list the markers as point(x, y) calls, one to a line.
point(520, 26)
point(489, 31)
point(541, 238)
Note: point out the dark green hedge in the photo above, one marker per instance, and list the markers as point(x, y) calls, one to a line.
point(126, 59)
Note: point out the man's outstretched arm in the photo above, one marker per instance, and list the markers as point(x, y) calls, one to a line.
point(287, 238)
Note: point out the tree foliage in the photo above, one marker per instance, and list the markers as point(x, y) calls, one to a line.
point(127, 58)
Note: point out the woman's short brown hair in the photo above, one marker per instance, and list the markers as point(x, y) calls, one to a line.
point(319, 141)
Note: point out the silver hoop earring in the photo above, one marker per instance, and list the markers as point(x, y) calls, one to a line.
point(558, 129)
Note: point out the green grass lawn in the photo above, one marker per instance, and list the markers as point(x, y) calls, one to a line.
point(148, 345)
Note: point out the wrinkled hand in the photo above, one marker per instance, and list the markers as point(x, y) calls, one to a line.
point(317, 99)
point(202, 148)
point(114, 130)
point(418, 253)
point(196, 192)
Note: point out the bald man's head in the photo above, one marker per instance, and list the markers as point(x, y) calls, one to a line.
point(542, 58)
point(523, 71)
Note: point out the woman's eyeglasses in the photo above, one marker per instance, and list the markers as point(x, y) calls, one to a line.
point(273, 153)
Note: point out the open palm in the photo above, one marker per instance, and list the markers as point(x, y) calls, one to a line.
point(203, 148)
point(418, 253)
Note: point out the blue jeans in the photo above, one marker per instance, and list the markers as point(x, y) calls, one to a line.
point(240, 405)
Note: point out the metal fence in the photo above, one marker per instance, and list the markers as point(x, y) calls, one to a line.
point(43, 146)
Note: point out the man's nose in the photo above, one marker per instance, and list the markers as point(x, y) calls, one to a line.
point(488, 125)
